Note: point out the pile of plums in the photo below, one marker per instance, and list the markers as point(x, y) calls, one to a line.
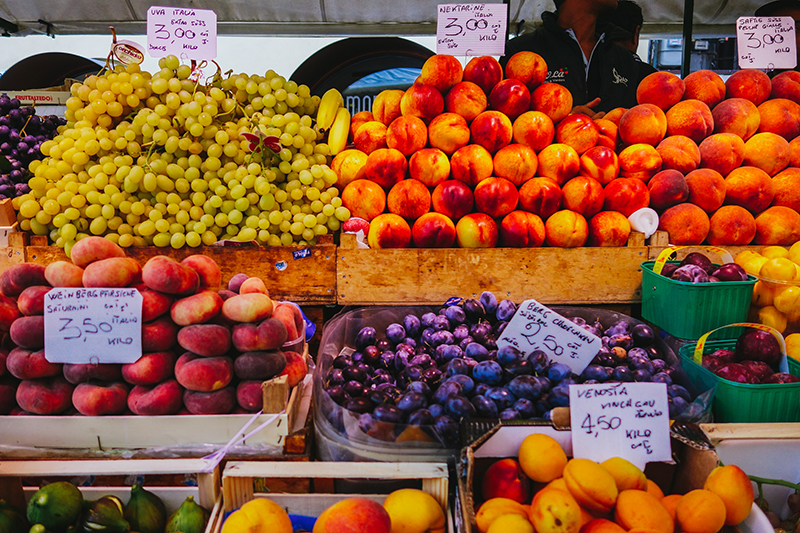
point(755, 359)
point(434, 370)
point(698, 268)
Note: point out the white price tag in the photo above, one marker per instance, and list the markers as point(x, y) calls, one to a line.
point(766, 42)
point(537, 327)
point(92, 325)
point(628, 420)
point(185, 32)
point(471, 29)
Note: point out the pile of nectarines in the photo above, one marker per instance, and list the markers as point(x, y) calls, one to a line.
point(544, 491)
point(475, 156)
point(204, 349)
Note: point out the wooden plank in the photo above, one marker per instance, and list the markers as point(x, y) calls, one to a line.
point(287, 274)
point(431, 276)
point(720, 432)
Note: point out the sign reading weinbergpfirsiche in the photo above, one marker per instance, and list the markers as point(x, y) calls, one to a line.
point(471, 29)
point(184, 32)
point(92, 325)
point(766, 42)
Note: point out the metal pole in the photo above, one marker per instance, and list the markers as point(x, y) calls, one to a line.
point(688, 19)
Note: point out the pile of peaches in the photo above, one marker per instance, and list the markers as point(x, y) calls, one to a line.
point(205, 349)
point(543, 490)
point(478, 156)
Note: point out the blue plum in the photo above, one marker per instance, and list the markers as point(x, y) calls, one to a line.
point(558, 396)
point(642, 374)
point(426, 320)
point(508, 354)
point(455, 314)
point(539, 360)
point(467, 383)
point(489, 302)
point(481, 389)
point(485, 407)
point(411, 401)
point(378, 396)
point(459, 407)
point(677, 405)
point(422, 360)
point(527, 387)
point(436, 409)
point(643, 335)
point(365, 337)
point(662, 377)
point(474, 309)
point(596, 372)
point(447, 430)
point(388, 413)
point(412, 373)
point(505, 310)
point(420, 417)
point(335, 377)
point(466, 341)
point(457, 366)
point(441, 323)
point(343, 361)
point(432, 376)
point(525, 408)
point(476, 351)
point(678, 390)
point(622, 373)
point(425, 336)
point(488, 372)
point(510, 414)
point(517, 368)
point(481, 331)
point(355, 388)
point(447, 390)
point(337, 394)
point(558, 371)
point(501, 396)
point(442, 337)
point(448, 352)
point(358, 405)
point(460, 332)
point(421, 387)
point(395, 333)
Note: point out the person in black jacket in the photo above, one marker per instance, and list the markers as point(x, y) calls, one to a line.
point(600, 74)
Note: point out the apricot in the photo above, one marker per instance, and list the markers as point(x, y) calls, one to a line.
point(667, 188)
point(639, 161)
point(626, 195)
point(786, 185)
point(592, 486)
point(640, 509)
point(541, 457)
point(722, 152)
point(511, 523)
point(540, 196)
point(731, 225)
point(738, 116)
point(372, 135)
point(706, 86)
point(700, 511)
point(364, 198)
point(691, 118)
point(670, 502)
point(680, 153)
point(409, 198)
point(566, 229)
point(732, 485)
point(751, 84)
point(601, 525)
point(653, 488)
point(406, 133)
point(386, 166)
point(643, 123)
point(626, 474)
point(686, 224)
point(777, 225)
point(534, 129)
point(662, 88)
point(515, 162)
point(560, 162)
point(749, 187)
point(555, 511)
point(780, 116)
point(609, 228)
point(354, 514)
point(706, 189)
point(767, 151)
point(386, 105)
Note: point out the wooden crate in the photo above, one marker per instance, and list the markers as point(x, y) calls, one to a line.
point(583, 275)
point(290, 430)
point(206, 493)
point(238, 482)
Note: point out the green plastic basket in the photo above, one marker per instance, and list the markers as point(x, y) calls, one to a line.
point(744, 402)
point(689, 310)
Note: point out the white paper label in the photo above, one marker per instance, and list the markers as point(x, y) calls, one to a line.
point(628, 420)
point(185, 32)
point(471, 29)
point(766, 42)
point(92, 325)
point(537, 327)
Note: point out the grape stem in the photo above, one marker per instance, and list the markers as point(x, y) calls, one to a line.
point(760, 481)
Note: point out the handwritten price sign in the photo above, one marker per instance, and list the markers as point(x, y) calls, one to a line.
point(184, 32)
point(537, 327)
point(471, 29)
point(766, 42)
point(92, 325)
point(628, 420)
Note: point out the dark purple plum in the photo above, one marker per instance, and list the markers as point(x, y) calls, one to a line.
point(505, 310)
point(420, 417)
point(388, 413)
point(476, 351)
point(558, 396)
point(421, 387)
point(466, 341)
point(642, 374)
point(440, 323)
point(447, 430)
point(730, 272)
point(488, 372)
point(436, 409)
point(604, 359)
point(491, 343)
point(622, 373)
point(395, 333)
point(426, 321)
point(677, 405)
point(539, 360)
point(455, 314)
point(659, 365)
point(343, 361)
point(596, 372)
point(401, 358)
point(481, 389)
point(499, 327)
point(758, 345)
point(448, 352)
point(510, 414)
point(380, 376)
point(460, 332)
point(641, 363)
point(441, 337)
point(387, 359)
point(484, 407)
point(678, 390)
point(366, 423)
point(781, 377)
point(638, 352)
point(354, 373)
point(517, 368)
point(359, 405)
point(412, 373)
point(698, 259)
point(432, 376)
point(371, 355)
point(558, 371)
point(365, 337)
point(621, 340)
point(474, 310)
point(737, 372)
point(527, 387)
point(379, 396)
point(662, 377)
point(425, 336)
point(643, 335)
point(423, 349)
point(467, 383)
point(508, 354)
point(459, 407)
point(355, 388)
point(335, 377)
point(489, 302)
point(384, 344)
point(481, 331)
point(501, 396)
point(525, 408)
point(759, 368)
point(422, 360)
point(457, 366)
point(471, 363)
point(337, 394)
point(410, 341)
point(411, 401)
point(447, 390)
point(690, 274)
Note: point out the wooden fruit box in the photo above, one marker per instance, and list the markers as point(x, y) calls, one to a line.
point(287, 431)
point(238, 484)
point(20, 479)
point(300, 274)
point(586, 275)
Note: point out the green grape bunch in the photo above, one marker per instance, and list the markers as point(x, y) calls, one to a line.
point(162, 160)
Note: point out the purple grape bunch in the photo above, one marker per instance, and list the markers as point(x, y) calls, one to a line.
point(22, 132)
point(436, 369)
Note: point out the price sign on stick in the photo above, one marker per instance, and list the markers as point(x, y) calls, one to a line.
point(537, 327)
point(766, 42)
point(628, 420)
point(185, 32)
point(471, 29)
point(92, 325)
